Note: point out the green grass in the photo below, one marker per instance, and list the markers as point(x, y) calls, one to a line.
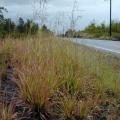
point(74, 76)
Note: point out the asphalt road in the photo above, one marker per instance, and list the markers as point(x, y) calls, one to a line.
point(110, 46)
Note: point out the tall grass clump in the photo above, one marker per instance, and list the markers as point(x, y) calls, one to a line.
point(67, 106)
point(36, 66)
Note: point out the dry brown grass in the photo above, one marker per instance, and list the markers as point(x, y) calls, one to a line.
point(6, 112)
point(49, 67)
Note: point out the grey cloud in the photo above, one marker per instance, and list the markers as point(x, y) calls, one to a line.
point(90, 9)
point(54, 2)
point(17, 2)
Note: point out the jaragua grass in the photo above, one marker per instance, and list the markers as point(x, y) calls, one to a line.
point(72, 77)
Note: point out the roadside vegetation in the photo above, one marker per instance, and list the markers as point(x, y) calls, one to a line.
point(63, 80)
point(97, 31)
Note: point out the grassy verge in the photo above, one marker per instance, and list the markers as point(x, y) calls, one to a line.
point(72, 81)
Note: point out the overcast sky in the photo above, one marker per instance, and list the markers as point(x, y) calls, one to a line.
point(89, 10)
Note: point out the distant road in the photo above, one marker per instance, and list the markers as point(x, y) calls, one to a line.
point(110, 46)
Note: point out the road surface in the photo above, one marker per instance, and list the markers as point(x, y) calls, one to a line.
point(110, 46)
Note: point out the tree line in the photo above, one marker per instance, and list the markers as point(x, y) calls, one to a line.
point(103, 29)
point(96, 30)
point(21, 28)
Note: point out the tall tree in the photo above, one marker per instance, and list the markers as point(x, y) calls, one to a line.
point(9, 26)
point(20, 26)
point(31, 27)
point(2, 20)
point(1, 13)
